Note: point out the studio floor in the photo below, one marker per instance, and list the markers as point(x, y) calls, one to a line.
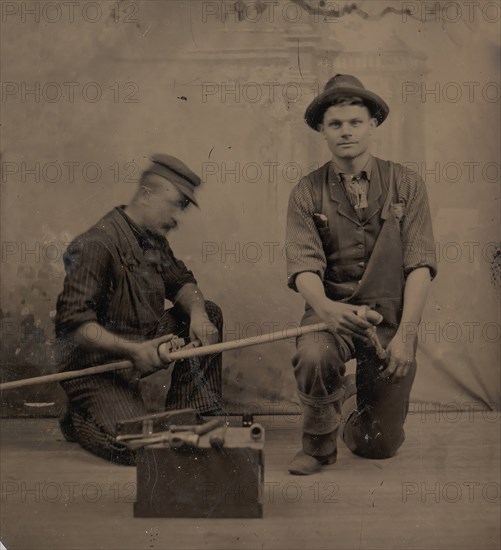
point(441, 491)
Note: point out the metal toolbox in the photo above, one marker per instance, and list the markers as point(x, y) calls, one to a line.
point(220, 476)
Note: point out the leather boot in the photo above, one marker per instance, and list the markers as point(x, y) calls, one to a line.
point(320, 449)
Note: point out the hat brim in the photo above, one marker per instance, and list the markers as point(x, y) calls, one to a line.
point(187, 193)
point(315, 112)
point(175, 179)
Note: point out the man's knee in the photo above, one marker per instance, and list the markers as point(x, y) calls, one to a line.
point(378, 443)
point(385, 445)
point(318, 368)
point(94, 438)
point(323, 357)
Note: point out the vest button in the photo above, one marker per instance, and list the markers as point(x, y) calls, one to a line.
point(360, 245)
point(361, 264)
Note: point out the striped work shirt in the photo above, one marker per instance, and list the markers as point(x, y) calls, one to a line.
point(118, 276)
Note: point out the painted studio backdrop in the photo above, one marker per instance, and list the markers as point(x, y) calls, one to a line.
point(223, 86)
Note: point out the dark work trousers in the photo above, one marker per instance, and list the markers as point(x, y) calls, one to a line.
point(97, 403)
point(375, 428)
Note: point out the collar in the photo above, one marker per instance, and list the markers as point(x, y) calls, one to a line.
point(146, 239)
point(367, 169)
point(338, 194)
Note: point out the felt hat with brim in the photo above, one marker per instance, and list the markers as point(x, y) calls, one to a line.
point(175, 171)
point(344, 85)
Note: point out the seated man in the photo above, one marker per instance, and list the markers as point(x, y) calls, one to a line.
point(360, 228)
point(118, 275)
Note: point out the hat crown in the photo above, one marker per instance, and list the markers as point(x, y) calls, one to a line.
point(343, 81)
point(177, 166)
point(340, 86)
point(176, 172)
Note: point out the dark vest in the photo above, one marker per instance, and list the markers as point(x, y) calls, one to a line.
point(355, 273)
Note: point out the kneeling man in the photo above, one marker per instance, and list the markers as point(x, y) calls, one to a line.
point(361, 235)
point(118, 275)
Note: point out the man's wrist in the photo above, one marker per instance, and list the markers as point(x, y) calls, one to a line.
point(405, 335)
point(323, 306)
point(127, 348)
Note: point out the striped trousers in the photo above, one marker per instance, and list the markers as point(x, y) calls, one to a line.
point(97, 403)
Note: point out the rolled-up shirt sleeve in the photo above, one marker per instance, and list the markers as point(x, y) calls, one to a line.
point(87, 265)
point(417, 231)
point(303, 246)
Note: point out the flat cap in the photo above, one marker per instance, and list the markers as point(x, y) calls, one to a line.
point(174, 170)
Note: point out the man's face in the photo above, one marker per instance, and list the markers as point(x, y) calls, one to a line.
point(347, 130)
point(163, 205)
